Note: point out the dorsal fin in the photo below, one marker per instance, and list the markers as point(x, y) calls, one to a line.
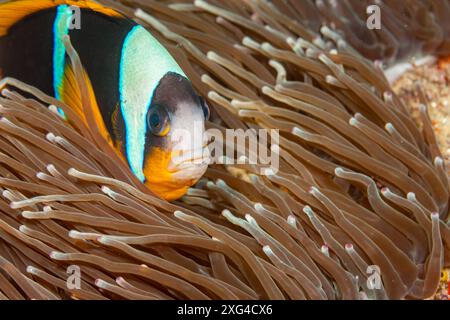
point(13, 11)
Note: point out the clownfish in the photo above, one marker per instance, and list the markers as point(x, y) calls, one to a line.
point(140, 95)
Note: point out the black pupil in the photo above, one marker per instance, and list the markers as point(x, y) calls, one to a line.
point(155, 121)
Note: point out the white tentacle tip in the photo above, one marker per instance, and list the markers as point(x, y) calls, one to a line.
point(74, 234)
point(101, 283)
point(106, 190)
point(309, 212)
point(31, 270)
point(268, 172)
point(266, 90)
point(6, 120)
point(389, 127)
point(291, 220)
point(41, 175)
point(14, 204)
point(411, 196)
point(349, 247)
point(258, 206)
point(353, 121)
point(220, 183)
point(339, 171)
point(438, 161)
point(434, 216)
point(103, 240)
point(266, 46)
point(313, 190)
point(210, 184)
point(53, 108)
point(212, 95)
point(211, 55)
point(56, 255)
point(250, 219)
point(267, 250)
point(205, 78)
point(140, 13)
point(72, 172)
point(199, 3)
point(227, 213)
point(50, 137)
point(302, 133)
point(180, 214)
point(27, 214)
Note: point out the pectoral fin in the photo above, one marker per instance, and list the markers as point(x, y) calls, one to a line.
point(71, 95)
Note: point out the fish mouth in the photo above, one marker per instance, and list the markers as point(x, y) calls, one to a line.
point(192, 172)
point(189, 158)
point(190, 164)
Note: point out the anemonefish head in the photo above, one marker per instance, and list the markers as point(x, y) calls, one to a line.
point(175, 154)
point(164, 118)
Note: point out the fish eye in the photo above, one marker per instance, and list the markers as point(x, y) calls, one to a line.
point(205, 107)
point(158, 120)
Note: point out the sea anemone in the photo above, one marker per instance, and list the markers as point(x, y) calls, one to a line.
point(361, 191)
